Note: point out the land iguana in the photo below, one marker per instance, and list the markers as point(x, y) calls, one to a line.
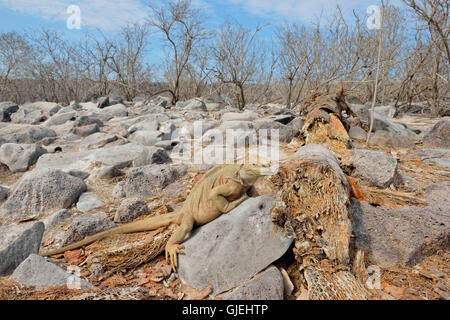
point(219, 191)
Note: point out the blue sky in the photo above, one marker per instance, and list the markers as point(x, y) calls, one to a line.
point(110, 15)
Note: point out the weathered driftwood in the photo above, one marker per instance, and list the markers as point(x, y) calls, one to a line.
point(324, 124)
point(313, 200)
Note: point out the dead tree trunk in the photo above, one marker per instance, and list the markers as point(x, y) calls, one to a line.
point(312, 201)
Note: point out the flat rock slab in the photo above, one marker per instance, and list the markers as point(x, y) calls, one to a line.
point(443, 162)
point(406, 235)
point(234, 247)
point(440, 157)
point(119, 156)
point(22, 133)
point(41, 192)
point(268, 285)
point(97, 140)
point(391, 140)
point(38, 272)
point(17, 242)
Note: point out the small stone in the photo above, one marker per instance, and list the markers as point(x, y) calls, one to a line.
point(4, 191)
point(107, 172)
point(129, 210)
point(57, 217)
point(96, 269)
point(86, 225)
point(88, 201)
point(118, 191)
point(268, 285)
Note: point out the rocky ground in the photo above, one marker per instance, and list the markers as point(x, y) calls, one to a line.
point(69, 172)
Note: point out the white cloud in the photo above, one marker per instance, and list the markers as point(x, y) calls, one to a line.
point(304, 10)
point(103, 14)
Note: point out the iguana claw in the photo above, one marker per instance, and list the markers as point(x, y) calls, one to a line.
point(171, 255)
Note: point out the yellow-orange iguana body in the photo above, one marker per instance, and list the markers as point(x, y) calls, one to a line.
point(219, 191)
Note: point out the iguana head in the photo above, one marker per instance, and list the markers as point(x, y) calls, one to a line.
point(250, 173)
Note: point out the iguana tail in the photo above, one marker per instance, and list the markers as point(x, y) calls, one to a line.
point(148, 224)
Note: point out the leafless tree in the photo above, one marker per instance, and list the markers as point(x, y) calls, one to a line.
point(238, 57)
point(295, 60)
point(182, 28)
point(127, 59)
point(15, 52)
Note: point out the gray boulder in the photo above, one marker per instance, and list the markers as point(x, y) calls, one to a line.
point(236, 125)
point(439, 135)
point(274, 128)
point(194, 104)
point(107, 172)
point(6, 110)
point(240, 116)
point(146, 181)
point(380, 123)
point(86, 225)
point(151, 155)
point(38, 272)
point(103, 102)
point(86, 130)
point(61, 118)
point(57, 217)
point(28, 116)
point(357, 133)
point(97, 140)
point(391, 140)
point(386, 111)
point(17, 242)
point(18, 133)
point(19, 157)
point(374, 168)
point(147, 138)
point(267, 285)
point(233, 248)
point(115, 111)
point(145, 125)
point(47, 108)
point(129, 210)
point(406, 235)
point(40, 192)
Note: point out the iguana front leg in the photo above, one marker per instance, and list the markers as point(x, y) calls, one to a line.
point(173, 246)
point(218, 197)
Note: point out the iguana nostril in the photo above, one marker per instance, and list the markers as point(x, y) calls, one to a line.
point(261, 206)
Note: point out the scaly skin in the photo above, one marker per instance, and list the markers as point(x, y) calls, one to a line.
point(219, 191)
